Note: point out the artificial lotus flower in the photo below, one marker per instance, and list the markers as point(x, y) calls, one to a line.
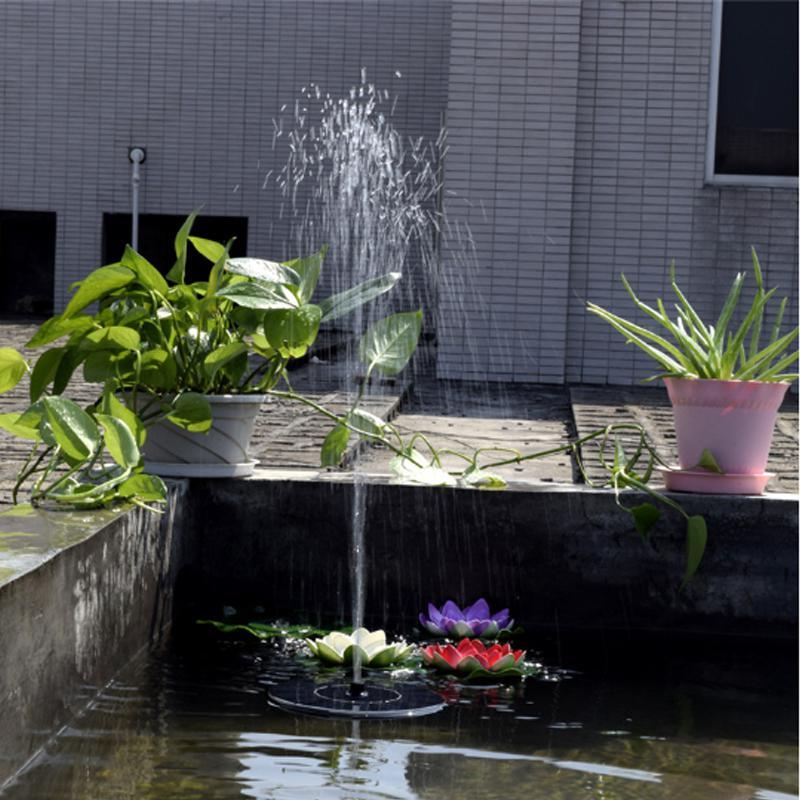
point(472, 658)
point(474, 620)
point(341, 648)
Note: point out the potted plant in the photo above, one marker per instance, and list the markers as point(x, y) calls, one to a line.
point(724, 382)
point(181, 369)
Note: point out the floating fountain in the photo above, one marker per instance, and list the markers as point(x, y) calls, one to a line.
point(352, 183)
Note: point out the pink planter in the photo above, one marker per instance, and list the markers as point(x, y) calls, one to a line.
point(734, 420)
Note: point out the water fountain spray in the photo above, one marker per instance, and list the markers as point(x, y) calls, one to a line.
point(353, 183)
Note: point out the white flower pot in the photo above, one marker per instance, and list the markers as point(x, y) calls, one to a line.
point(221, 452)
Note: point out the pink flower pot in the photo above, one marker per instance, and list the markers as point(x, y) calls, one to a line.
point(734, 420)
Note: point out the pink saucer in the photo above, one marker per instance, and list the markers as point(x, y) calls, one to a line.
point(703, 482)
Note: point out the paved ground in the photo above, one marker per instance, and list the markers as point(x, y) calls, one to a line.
point(455, 415)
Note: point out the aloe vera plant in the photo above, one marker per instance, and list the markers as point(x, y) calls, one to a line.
point(695, 349)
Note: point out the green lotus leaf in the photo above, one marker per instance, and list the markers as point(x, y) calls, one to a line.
point(350, 655)
point(327, 653)
point(505, 662)
point(384, 657)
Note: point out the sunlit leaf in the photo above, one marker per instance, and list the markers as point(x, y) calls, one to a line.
point(192, 412)
point(119, 440)
point(12, 368)
point(146, 273)
point(389, 344)
point(73, 429)
point(98, 284)
point(292, 331)
point(56, 327)
point(334, 446)
point(339, 305)
point(708, 462)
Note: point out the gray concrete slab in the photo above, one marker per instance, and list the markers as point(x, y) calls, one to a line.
point(458, 415)
point(80, 594)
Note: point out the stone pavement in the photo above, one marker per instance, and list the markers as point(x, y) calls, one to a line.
point(456, 415)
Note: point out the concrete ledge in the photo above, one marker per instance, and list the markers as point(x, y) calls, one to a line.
point(559, 556)
point(80, 594)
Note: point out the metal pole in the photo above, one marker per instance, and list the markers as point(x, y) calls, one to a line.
point(136, 155)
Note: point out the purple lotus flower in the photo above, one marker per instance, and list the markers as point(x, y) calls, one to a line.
point(474, 620)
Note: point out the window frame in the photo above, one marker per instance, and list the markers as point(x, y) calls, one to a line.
point(716, 179)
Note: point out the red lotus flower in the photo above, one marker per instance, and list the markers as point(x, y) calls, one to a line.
point(473, 656)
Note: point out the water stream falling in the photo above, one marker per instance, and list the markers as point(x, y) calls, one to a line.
point(352, 182)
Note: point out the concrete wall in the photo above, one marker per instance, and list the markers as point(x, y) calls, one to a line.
point(558, 557)
point(80, 595)
point(576, 135)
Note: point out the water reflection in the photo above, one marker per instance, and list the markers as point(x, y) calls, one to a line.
point(194, 723)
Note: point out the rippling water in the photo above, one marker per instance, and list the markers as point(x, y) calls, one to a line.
point(193, 722)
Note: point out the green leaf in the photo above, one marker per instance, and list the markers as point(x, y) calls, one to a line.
point(111, 406)
point(11, 422)
point(192, 412)
point(308, 269)
point(12, 367)
point(477, 478)
point(178, 271)
point(56, 327)
point(213, 251)
point(44, 371)
point(158, 369)
point(74, 430)
point(69, 363)
point(216, 271)
point(644, 517)
point(247, 320)
point(96, 285)
point(368, 424)
point(218, 358)
point(144, 487)
point(257, 295)
point(119, 440)
point(389, 344)
point(102, 365)
point(292, 331)
point(708, 462)
point(696, 538)
point(146, 273)
point(338, 305)
point(420, 470)
point(264, 271)
point(334, 446)
point(115, 337)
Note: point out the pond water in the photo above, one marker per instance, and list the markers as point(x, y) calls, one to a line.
point(193, 722)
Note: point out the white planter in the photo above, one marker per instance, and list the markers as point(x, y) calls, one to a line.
point(171, 451)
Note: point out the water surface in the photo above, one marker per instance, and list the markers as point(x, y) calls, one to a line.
point(193, 722)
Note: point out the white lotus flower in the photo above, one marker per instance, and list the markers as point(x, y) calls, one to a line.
point(341, 648)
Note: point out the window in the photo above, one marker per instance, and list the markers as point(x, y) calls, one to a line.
point(157, 237)
point(27, 262)
point(753, 105)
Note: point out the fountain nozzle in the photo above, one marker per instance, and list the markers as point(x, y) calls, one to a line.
point(357, 689)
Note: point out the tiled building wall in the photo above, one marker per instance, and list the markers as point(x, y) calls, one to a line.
point(565, 180)
point(508, 188)
point(639, 198)
point(576, 146)
point(198, 83)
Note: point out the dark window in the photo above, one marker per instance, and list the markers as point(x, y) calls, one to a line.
point(27, 262)
point(157, 238)
point(757, 101)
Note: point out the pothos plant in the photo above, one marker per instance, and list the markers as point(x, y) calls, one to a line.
point(157, 346)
